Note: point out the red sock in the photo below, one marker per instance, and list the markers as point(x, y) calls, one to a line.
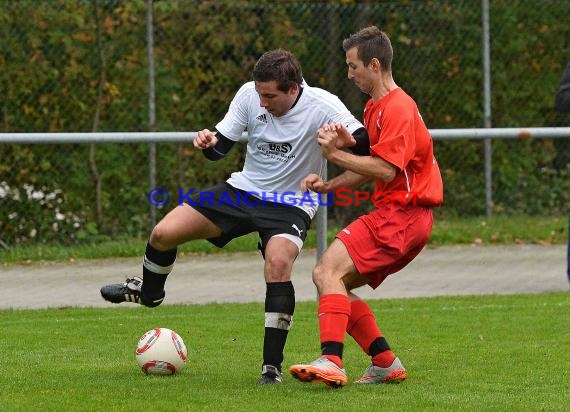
point(363, 328)
point(384, 359)
point(334, 358)
point(333, 312)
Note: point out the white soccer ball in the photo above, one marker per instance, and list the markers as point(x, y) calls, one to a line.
point(161, 351)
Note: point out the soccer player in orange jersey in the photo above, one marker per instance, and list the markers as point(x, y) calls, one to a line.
point(380, 243)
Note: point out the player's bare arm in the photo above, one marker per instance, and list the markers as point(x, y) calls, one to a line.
point(363, 165)
point(348, 179)
point(374, 167)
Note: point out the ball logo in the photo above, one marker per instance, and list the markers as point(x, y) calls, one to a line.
point(179, 346)
point(148, 340)
point(161, 351)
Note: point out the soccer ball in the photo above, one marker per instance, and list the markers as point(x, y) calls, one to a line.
point(161, 351)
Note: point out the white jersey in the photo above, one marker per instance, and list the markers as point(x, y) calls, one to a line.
point(281, 151)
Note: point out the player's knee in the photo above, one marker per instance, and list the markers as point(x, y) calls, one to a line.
point(160, 239)
point(278, 269)
point(319, 276)
point(326, 277)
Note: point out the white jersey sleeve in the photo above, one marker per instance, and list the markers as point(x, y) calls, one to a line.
point(236, 119)
point(336, 109)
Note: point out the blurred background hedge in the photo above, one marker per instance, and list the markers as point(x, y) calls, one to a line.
point(81, 66)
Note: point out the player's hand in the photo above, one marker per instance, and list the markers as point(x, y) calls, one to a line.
point(345, 138)
point(205, 139)
point(327, 137)
point(313, 182)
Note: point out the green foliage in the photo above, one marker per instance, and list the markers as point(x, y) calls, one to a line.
point(527, 181)
point(83, 358)
point(81, 65)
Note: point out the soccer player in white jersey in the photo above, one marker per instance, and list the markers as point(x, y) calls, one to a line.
point(281, 114)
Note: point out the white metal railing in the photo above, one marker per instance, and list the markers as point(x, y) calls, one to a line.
point(170, 137)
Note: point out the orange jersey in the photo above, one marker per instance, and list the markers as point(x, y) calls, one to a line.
point(399, 135)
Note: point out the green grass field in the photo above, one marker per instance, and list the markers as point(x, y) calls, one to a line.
point(491, 353)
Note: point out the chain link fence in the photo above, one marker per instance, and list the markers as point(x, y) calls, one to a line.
point(81, 66)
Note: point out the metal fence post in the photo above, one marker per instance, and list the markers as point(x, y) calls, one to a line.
point(151, 105)
point(488, 166)
point(322, 217)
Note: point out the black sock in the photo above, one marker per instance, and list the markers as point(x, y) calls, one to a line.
point(156, 267)
point(332, 348)
point(279, 308)
point(379, 345)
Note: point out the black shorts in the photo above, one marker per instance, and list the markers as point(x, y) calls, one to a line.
point(238, 213)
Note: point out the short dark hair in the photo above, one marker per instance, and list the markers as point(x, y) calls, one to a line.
point(279, 65)
point(371, 42)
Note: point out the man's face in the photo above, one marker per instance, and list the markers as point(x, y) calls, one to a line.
point(358, 72)
point(274, 100)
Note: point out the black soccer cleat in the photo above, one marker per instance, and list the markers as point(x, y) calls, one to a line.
point(270, 375)
point(130, 291)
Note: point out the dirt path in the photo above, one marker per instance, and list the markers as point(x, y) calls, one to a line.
point(461, 270)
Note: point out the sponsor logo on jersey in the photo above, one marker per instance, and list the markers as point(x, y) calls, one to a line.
point(274, 148)
point(262, 118)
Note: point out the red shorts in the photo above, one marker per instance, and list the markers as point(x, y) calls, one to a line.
point(386, 239)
